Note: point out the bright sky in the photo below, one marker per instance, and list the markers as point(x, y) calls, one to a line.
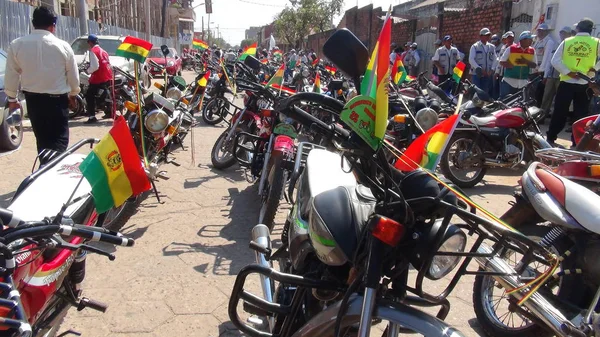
point(233, 17)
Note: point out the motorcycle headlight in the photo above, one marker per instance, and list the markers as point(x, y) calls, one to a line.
point(442, 265)
point(174, 93)
point(170, 63)
point(156, 121)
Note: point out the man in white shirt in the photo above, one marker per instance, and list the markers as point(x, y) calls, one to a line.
point(543, 51)
point(580, 55)
point(444, 60)
point(414, 60)
point(481, 58)
point(45, 67)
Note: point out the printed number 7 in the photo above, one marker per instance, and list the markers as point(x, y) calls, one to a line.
point(578, 60)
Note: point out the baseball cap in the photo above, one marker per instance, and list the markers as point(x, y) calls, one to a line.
point(414, 45)
point(447, 37)
point(495, 37)
point(507, 34)
point(566, 29)
point(92, 38)
point(485, 31)
point(543, 26)
point(407, 44)
point(585, 25)
point(525, 35)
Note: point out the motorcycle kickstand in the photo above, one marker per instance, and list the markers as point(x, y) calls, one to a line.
point(156, 192)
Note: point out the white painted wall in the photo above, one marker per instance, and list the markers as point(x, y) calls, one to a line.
point(569, 13)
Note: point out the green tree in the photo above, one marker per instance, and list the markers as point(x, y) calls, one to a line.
point(292, 24)
point(246, 42)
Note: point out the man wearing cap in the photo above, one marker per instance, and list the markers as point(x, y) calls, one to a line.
point(101, 76)
point(551, 75)
point(517, 60)
point(434, 72)
point(444, 60)
point(405, 52)
point(45, 67)
point(481, 58)
point(507, 40)
point(543, 50)
point(577, 54)
point(416, 58)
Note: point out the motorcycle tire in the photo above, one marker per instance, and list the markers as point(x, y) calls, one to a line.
point(276, 183)
point(216, 106)
point(445, 164)
point(11, 139)
point(78, 109)
point(221, 164)
point(123, 213)
point(570, 288)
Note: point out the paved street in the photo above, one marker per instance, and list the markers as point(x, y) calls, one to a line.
point(177, 279)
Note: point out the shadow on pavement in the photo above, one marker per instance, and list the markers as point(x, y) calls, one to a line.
point(81, 123)
point(234, 175)
point(6, 198)
point(230, 257)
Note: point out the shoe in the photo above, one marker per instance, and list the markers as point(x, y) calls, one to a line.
point(569, 129)
point(91, 120)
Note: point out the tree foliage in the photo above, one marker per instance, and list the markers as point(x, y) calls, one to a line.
point(292, 24)
point(246, 42)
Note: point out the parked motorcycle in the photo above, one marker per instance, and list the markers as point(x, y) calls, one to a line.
point(506, 138)
point(217, 105)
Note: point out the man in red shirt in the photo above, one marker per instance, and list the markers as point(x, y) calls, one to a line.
point(101, 76)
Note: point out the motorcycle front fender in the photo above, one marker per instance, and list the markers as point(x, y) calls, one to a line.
point(323, 324)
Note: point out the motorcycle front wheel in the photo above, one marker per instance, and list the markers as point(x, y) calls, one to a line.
point(117, 217)
point(462, 162)
point(273, 192)
point(215, 111)
point(222, 152)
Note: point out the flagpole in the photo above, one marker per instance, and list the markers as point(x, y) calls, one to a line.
point(139, 107)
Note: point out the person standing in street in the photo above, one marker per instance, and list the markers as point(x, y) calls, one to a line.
point(575, 54)
point(543, 50)
point(507, 40)
point(45, 67)
point(393, 54)
point(551, 75)
point(434, 72)
point(517, 61)
point(414, 60)
point(481, 58)
point(101, 76)
point(444, 60)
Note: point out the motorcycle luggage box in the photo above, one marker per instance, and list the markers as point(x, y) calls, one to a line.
point(45, 196)
point(161, 102)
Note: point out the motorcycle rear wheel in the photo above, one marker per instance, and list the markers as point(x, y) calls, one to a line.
point(215, 111)
point(446, 159)
point(117, 217)
point(273, 191)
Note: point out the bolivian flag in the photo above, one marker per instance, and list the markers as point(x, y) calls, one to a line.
point(114, 169)
point(459, 69)
point(331, 70)
point(317, 85)
point(199, 44)
point(134, 48)
point(250, 50)
point(203, 82)
point(277, 80)
point(398, 72)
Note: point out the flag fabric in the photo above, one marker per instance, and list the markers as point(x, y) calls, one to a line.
point(374, 83)
point(398, 72)
point(114, 169)
point(277, 78)
point(264, 61)
point(271, 42)
point(331, 70)
point(204, 80)
point(458, 71)
point(283, 88)
point(315, 62)
point(317, 84)
point(250, 50)
point(277, 53)
point(134, 48)
point(426, 151)
point(199, 44)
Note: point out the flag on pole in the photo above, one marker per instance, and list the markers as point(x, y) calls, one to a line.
point(426, 151)
point(134, 48)
point(317, 84)
point(277, 80)
point(459, 69)
point(331, 70)
point(250, 50)
point(114, 169)
point(271, 43)
point(199, 44)
point(398, 72)
point(203, 82)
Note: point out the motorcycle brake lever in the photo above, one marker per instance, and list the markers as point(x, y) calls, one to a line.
point(60, 243)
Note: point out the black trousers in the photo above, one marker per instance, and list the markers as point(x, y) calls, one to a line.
point(565, 94)
point(49, 116)
point(90, 97)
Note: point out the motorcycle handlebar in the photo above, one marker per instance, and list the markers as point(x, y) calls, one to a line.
point(154, 64)
point(7, 218)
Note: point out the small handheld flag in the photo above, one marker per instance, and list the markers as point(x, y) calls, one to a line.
point(134, 48)
point(458, 71)
point(199, 44)
point(317, 84)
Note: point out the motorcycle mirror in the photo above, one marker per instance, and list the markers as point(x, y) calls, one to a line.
point(252, 62)
point(348, 54)
point(165, 50)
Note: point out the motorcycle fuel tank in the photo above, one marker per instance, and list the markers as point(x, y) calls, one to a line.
point(510, 118)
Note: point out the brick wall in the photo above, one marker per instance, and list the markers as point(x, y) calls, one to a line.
point(403, 32)
point(316, 41)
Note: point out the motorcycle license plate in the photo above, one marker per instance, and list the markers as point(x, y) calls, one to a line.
point(285, 129)
point(171, 130)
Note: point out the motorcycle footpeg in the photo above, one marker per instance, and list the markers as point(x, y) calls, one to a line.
point(89, 303)
point(162, 175)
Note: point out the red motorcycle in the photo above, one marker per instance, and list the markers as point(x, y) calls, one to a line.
point(42, 276)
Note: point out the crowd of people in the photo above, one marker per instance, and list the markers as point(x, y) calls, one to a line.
point(502, 65)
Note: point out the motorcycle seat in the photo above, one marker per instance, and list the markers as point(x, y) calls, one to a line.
point(570, 204)
point(487, 121)
point(340, 214)
point(324, 170)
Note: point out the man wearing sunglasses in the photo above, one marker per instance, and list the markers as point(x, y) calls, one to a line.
point(45, 68)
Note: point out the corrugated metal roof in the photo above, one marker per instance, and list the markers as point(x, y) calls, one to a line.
point(427, 3)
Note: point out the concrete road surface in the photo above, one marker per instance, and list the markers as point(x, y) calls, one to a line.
point(177, 279)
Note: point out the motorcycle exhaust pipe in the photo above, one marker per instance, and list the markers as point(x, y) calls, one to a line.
point(537, 304)
point(261, 237)
point(494, 163)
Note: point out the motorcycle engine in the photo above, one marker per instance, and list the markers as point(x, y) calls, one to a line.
point(513, 147)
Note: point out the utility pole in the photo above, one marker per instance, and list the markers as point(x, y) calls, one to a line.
point(208, 31)
point(147, 19)
point(202, 27)
point(82, 13)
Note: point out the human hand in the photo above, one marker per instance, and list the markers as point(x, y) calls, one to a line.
point(14, 105)
point(72, 101)
point(522, 60)
point(496, 76)
point(572, 74)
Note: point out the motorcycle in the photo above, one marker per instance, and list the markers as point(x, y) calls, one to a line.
point(506, 138)
point(217, 105)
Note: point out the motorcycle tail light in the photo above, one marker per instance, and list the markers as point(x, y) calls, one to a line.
point(267, 113)
point(130, 106)
point(399, 118)
point(387, 230)
point(158, 85)
point(595, 170)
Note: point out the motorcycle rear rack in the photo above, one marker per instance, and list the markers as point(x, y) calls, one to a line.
point(302, 152)
point(256, 142)
point(15, 319)
point(556, 156)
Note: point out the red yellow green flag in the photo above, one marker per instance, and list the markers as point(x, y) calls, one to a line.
point(377, 75)
point(114, 169)
point(317, 84)
point(277, 79)
point(250, 50)
point(204, 80)
point(199, 44)
point(398, 72)
point(331, 70)
point(264, 61)
point(277, 54)
point(426, 151)
point(134, 48)
point(315, 62)
point(458, 71)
